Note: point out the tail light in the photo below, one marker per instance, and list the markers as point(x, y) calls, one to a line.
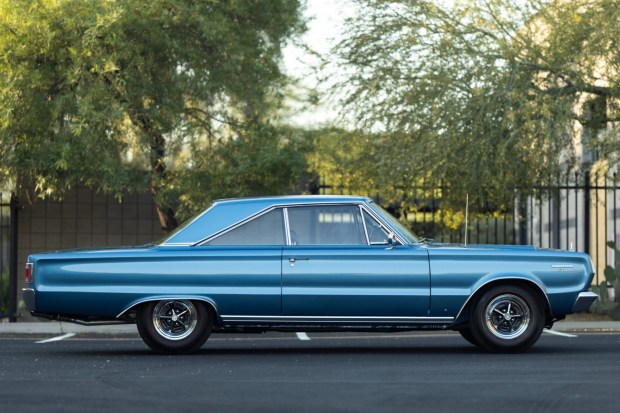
point(28, 273)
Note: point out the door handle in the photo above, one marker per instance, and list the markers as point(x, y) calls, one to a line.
point(292, 260)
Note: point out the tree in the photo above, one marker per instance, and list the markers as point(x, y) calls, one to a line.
point(483, 95)
point(102, 92)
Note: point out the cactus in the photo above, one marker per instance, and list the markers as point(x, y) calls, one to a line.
point(609, 303)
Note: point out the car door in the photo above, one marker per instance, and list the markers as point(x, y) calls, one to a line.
point(339, 264)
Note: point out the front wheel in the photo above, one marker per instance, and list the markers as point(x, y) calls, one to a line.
point(174, 326)
point(507, 319)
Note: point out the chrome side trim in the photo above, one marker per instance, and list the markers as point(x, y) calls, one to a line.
point(160, 298)
point(584, 301)
point(176, 244)
point(334, 319)
point(500, 279)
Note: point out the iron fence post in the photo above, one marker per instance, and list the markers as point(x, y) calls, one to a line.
point(14, 207)
point(522, 214)
point(586, 213)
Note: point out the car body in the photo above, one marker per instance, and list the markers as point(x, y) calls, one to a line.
point(310, 263)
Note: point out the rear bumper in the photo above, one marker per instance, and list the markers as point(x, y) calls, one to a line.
point(29, 299)
point(584, 301)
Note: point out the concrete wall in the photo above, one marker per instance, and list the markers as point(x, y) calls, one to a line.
point(83, 219)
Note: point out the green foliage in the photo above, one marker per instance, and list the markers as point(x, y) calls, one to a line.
point(119, 94)
point(479, 96)
point(607, 304)
point(263, 160)
point(353, 162)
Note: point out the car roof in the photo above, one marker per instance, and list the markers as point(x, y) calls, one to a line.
point(226, 212)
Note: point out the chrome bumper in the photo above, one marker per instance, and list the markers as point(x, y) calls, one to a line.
point(29, 298)
point(584, 301)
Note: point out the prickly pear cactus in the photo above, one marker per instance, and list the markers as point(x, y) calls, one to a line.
point(609, 290)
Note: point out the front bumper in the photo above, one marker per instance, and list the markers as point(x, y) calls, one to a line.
point(584, 301)
point(29, 298)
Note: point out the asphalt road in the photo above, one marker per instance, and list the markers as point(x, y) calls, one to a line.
point(407, 372)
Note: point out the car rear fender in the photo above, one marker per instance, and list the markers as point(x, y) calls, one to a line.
point(141, 301)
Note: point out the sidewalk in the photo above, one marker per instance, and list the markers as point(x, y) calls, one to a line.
point(59, 328)
point(124, 330)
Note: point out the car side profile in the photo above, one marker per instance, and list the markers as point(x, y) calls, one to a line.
point(310, 263)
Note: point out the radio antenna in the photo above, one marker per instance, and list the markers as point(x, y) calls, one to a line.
point(466, 215)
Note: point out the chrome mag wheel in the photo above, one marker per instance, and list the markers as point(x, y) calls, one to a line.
point(175, 320)
point(507, 316)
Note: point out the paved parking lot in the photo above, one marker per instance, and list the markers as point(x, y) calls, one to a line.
point(315, 372)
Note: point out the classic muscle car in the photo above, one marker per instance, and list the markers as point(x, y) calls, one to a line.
point(310, 263)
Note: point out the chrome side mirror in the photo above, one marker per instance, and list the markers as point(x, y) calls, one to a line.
point(392, 240)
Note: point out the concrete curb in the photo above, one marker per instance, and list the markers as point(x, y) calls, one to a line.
point(587, 326)
point(59, 328)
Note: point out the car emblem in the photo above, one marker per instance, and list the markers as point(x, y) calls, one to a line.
point(562, 267)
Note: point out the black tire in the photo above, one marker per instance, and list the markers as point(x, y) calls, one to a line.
point(507, 319)
point(466, 334)
point(174, 326)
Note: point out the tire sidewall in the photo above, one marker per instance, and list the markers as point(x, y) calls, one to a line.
point(487, 340)
point(163, 345)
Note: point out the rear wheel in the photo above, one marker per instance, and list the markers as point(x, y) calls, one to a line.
point(174, 326)
point(507, 319)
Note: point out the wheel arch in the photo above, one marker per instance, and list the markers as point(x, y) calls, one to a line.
point(462, 317)
point(211, 306)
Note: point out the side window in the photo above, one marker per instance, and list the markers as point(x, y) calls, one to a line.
point(268, 229)
point(326, 225)
point(377, 234)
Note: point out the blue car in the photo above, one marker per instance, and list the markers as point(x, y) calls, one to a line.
point(310, 263)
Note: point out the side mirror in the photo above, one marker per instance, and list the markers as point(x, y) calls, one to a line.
point(392, 240)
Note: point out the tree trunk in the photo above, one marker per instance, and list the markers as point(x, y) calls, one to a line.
point(165, 213)
point(157, 142)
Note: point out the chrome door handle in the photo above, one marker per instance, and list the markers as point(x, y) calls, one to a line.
point(293, 259)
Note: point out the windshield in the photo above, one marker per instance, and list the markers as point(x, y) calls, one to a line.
point(402, 230)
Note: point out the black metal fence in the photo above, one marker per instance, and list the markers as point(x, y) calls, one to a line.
point(8, 256)
point(578, 214)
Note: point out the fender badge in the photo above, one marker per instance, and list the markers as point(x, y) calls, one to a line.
point(562, 267)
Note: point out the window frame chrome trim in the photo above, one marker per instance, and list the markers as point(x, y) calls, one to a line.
point(237, 225)
point(381, 223)
point(287, 228)
point(285, 207)
point(364, 224)
point(384, 224)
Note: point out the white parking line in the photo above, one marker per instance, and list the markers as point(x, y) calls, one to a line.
point(558, 333)
point(58, 338)
point(303, 336)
